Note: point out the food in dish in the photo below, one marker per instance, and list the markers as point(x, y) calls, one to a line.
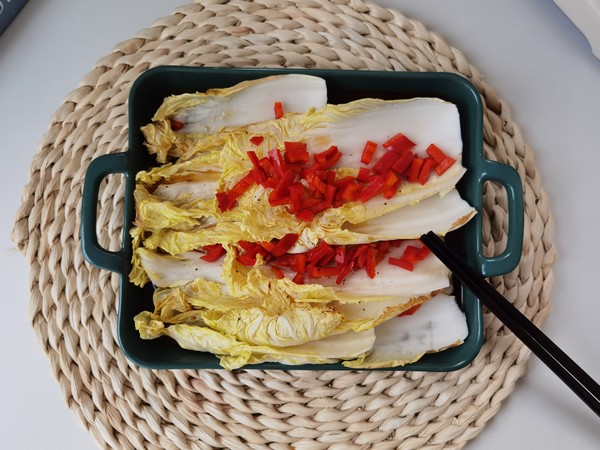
point(291, 238)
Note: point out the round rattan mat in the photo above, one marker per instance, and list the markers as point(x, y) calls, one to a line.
point(73, 305)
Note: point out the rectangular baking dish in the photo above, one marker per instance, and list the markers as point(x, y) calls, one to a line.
point(148, 92)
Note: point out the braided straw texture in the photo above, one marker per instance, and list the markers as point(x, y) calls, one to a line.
point(74, 306)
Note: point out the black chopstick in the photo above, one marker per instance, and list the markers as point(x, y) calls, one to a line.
point(546, 350)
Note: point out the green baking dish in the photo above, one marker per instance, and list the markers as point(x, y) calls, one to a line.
point(148, 92)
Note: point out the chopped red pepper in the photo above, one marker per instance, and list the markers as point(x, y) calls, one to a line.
point(371, 262)
point(278, 109)
point(399, 143)
point(257, 140)
point(344, 271)
point(426, 168)
point(176, 125)
point(241, 186)
point(361, 255)
point(415, 169)
point(410, 311)
point(260, 175)
point(434, 152)
point(330, 191)
point(401, 263)
point(277, 272)
point(321, 272)
point(363, 175)
point(368, 152)
point(278, 161)
point(294, 146)
point(295, 152)
point(298, 278)
point(442, 161)
point(284, 244)
point(213, 252)
point(322, 254)
point(373, 188)
point(224, 202)
point(282, 189)
point(384, 163)
point(300, 262)
point(268, 166)
point(392, 190)
point(306, 215)
point(268, 246)
point(296, 196)
point(350, 192)
point(327, 159)
point(446, 163)
point(404, 162)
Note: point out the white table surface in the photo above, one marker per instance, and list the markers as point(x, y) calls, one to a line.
point(533, 56)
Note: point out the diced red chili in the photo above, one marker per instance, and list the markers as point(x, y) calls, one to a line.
point(277, 272)
point(320, 254)
point(257, 140)
point(371, 262)
point(294, 146)
point(401, 166)
point(224, 202)
point(410, 311)
point(411, 254)
point(368, 152)
point(260, 175)
point(382, 248)
point(321, 272)
point(241, 186)
point(298, 278)
point(344, 271)
point(325, 155)
point(401, 263)
point(305, 215)
point(296, 152)
point(317, 184)
point(361, 255)
point(434, 152)
point(392, 190)
point(372, 189)
point(296, 195)
point(415, 169)
point(446, 163)
point(426, 170)
point(343, 182)
point(330, 191)
point(268, 166)
point(277, 161)
point(386, 162)
point(363, 175)
point(176, 125)
point(300, 262)
point(246, 260)
point(213, 252)
point(278, 109)
point(350, 192)
point(284, 244)
point(268, 246)
point(327, 159)
point(399, 143)
point(282, 189)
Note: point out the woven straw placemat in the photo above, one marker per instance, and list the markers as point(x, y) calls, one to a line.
point(73, 305)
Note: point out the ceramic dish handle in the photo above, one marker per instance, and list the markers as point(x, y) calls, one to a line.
point(93, 252)
point(510, 257)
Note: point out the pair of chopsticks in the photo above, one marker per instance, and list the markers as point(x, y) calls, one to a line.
point(557, 360)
